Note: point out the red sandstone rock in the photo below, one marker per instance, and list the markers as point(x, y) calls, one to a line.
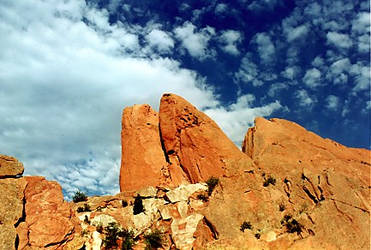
point(48, 216)
point(322, 185)
point(143, 161)
point(193, 141)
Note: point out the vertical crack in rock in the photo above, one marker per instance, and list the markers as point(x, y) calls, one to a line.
point(212, 228)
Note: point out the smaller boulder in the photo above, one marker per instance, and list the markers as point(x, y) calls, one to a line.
point(10, 167)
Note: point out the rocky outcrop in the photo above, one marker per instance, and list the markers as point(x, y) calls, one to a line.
point(10, 167)
point(193, 141)
point(143, 160)
point(179, 145)
point(305, 192)
point(47, 219)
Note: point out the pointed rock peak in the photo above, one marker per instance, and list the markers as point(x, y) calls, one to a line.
point(143, 162)
point(194, 141)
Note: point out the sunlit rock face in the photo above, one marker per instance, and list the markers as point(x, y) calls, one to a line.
point(287, 189)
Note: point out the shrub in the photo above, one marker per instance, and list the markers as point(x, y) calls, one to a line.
point(212, 182)
point(269, 180)
point(99, 228)
point(257, 235)
point(112, 236)
point(86, 219)
point(292, 225)
point(79, 196)
point(153, 239)
point(282, 207)
point(138, 205)
point(86, 208)
point(128, 239)
point(202, 197)
point(245, 225)
point(124, 203)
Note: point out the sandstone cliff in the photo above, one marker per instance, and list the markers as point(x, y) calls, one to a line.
point(287, 189)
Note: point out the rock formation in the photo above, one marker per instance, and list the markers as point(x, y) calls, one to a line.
point(177, 146)
point(288, 189)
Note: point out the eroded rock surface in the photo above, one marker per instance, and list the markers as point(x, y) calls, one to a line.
point(305, 192)
point(10, 167)
point(193, 141)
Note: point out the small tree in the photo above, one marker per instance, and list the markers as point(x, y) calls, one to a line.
point(79, 196)
point(212, 182)
point(153, 239)
point(138, 205)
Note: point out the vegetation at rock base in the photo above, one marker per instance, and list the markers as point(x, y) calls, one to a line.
point(245, 225)
point(282, 207)
point(153, 239)
point(85, 208)
point(269, 180)
point(79, 196)
point(212, 182)
point(114, 233)
point(138, 205)
point(292, 225)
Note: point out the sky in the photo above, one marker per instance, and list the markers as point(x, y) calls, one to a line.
point(68, 68)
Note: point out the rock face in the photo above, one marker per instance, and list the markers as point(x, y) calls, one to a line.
point(10, 167)
point(143, 161)
point(179, 145)
point(47, 215)
point(305, 192)
point(193, 140)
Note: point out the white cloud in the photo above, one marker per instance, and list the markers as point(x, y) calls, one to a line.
point(312, 78)
point(248, 72)
point(266, 48)
point(229, 39)
point(361, 24)
point(299, 32)
point(263, 5)
point(338, 71)
point(243, 110)
point(194, 42)
point(64, 84)
point(339, 40)
point(304, 99)
point(291, 73)
point(332, 102)
point(318, 62)
point(276, 88)
point(361, 74)
point(220, 8)
point(160, 40)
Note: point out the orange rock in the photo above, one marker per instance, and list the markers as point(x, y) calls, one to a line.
point(48, 216)
point(10, 166)
point(143, 161)
point(193, 141)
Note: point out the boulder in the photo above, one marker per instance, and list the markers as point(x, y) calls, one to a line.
point(143, 161)
point(10, 167)
point(47, 215)
point(11, 210)
point(193, 141)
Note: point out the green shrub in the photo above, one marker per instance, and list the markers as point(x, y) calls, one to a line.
point(86, 208)
point(112, 235)
point(138, 205)
point(212, 182)
point(245, 225)
point(257, 235)
point(79, 196)
point(269, 180)
point(127, 239)
point(153, 239)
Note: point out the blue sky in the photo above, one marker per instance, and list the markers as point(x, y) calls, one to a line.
point(68, 68)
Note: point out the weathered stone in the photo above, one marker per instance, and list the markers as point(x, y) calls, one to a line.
point(147, 192)
point(11, 209)
point(183, 192)
point(143, 161)
point(321, 184)
point(48, 216)
point(193, 141)
point(10, 167)
point(182, 230)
